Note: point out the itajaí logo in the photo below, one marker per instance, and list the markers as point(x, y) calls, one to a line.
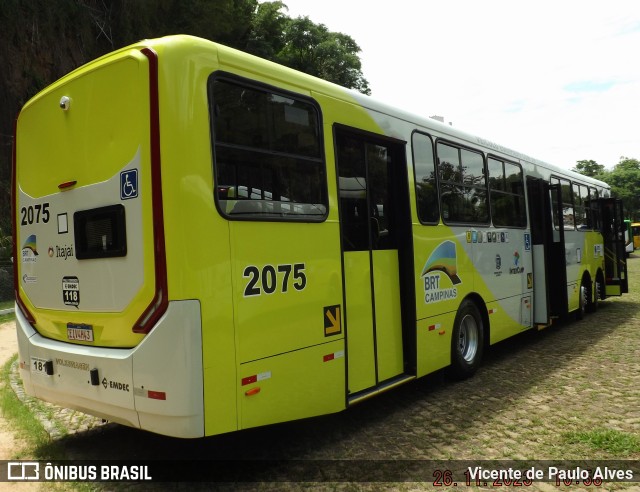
point(443, 262)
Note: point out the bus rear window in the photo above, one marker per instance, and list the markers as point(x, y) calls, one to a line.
point(100, 233)
point(267, 151)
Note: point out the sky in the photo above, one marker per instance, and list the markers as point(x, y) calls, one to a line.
point(558, 80)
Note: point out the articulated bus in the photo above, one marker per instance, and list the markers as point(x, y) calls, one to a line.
point(207, 242)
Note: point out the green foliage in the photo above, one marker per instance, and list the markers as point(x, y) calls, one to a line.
point(6, 242)
point(625, 184)
point(313, 49)
point(624, 180)
point(589, 168)
point(225, 21)
point(266, 38)
point(42, 40)
point(5, 214)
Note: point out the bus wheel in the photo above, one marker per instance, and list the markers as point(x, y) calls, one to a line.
point(583, 300)
point(600, 291)
point(467, 341)
point(593, 295)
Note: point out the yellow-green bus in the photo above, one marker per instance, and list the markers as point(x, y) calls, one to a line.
point(628, 237)
point(635, 234)
point(206, 242)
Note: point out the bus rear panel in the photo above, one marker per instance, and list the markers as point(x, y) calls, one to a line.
point(90, 258)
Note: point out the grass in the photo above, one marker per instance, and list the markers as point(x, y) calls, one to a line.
point(29, 429)
point(7, 317)
point(6, 304)
point(26, 425)
point(613, 441)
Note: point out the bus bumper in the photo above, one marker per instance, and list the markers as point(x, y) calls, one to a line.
point(155, 386)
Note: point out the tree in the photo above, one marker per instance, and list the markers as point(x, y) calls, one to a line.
point(625, 183)
point(266, 38)
point(313, 49)
point(589, 168)
point(42, 40)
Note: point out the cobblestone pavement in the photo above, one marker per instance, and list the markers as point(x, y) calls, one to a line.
point(532, 399)
point(57, 421)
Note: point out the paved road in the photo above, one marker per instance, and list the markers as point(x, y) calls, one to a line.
point(531, 398)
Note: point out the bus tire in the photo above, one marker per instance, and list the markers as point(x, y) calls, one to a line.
point(600, 287)
point(467, 341)
point(583, 300)
point(592, 304)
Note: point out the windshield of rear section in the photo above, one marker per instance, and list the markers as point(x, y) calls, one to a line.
point(268, 154)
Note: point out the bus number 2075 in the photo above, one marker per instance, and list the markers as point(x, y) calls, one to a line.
point(272, 278)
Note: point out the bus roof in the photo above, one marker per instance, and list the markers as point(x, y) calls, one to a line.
point(289, 76)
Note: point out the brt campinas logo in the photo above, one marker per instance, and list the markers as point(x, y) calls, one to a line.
point(442, 262)
point(30, 249)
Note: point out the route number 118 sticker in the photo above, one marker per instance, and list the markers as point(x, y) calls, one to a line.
point(71, 291)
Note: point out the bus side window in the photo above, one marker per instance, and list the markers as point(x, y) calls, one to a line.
point(568, 218)
point(425, 179)
point(463, 185)
point(592, 209)
point(581, 197)
point(354, 214)
point(268, 157)
point(506, 185)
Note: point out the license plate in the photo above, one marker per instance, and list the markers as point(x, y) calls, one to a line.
point(83, 333)
point(39, 366)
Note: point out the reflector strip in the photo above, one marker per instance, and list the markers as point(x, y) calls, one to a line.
point(493, 311)
point(249, 380)
point(434, 327)
point(335, 355)
point(256, 377)
point(154, 395)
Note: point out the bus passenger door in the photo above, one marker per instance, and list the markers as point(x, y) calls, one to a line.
point(615, 262)
point(549, 260)
point(375, 232)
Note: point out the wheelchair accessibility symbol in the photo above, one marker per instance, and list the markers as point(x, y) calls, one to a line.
point(129, 184)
